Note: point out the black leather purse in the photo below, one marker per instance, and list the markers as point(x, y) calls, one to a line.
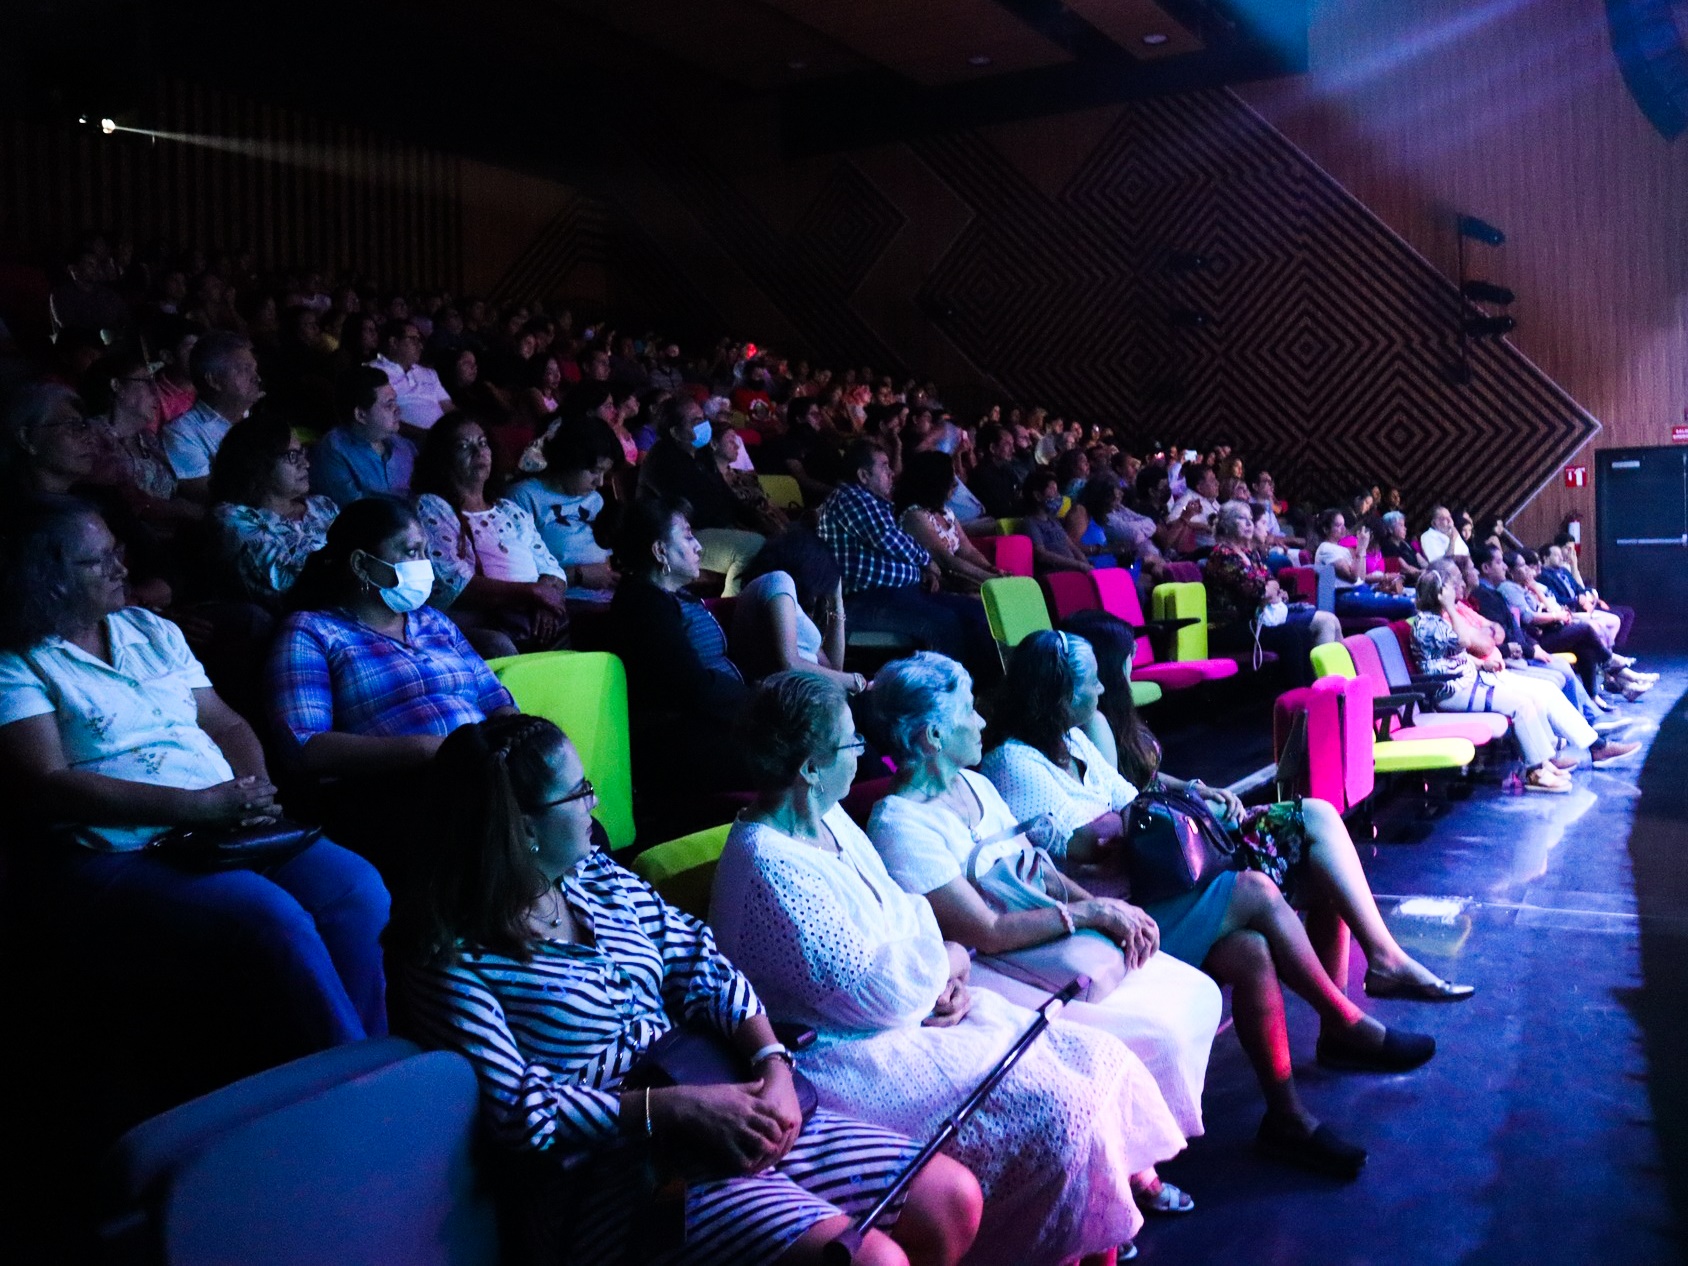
point(691, 1057)
point(211, 848)
point(1174, 845)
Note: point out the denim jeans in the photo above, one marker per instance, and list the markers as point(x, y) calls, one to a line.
point(308, 931)
point(1358, 601)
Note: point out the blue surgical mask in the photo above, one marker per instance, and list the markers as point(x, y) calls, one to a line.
point(1053, 504)
point(415, 584)
point(702, 433)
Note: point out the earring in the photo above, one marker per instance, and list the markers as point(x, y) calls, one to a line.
point(534, 847)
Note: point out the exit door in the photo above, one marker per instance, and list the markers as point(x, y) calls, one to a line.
point(1642, 504)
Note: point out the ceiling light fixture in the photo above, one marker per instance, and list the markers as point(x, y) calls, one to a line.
point(1154, 39)
point(978, 59)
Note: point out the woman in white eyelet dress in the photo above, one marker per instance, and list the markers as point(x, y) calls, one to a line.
point(804, 906)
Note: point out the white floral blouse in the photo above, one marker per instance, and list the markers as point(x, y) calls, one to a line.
point(266, 551)
point(501, 543)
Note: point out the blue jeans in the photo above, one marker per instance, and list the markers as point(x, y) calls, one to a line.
point(309, 930)
point(1358, 601)
point(952, 624)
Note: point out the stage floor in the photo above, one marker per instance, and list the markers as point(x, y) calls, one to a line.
point(1553, 1124)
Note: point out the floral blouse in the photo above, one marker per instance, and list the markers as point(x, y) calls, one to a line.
point(1236, 581)
point(501, 543)
point(1437, 649)
point(138, 461)
point(265, 551)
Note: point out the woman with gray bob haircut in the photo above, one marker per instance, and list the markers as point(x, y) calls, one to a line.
point(927, 830)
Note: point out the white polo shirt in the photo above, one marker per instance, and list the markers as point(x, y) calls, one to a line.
point(422, 398)
point(192, 440)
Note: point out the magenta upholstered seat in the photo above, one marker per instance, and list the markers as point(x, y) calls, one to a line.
point(1363, 650)
point(1117, 594)
point(861, 798)
point(1301, 583)
point(1354, 697)
point(1322, 777)
point(1011, 554)
point(1071, 591)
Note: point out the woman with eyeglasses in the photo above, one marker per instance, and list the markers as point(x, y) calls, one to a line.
point(129, 456)
point(553, 970)
point(110, 735)
point(493, 574)
point(264, 521)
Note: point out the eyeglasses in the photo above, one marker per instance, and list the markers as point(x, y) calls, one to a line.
point(581, 792)
point(295, 457)
point(110, 563)
point(857, 744)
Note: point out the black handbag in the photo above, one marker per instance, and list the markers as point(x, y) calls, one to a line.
point(1174, 845)
point(692, 1057)
point(210, 848)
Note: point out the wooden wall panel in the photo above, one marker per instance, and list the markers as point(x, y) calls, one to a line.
point(1516, 112)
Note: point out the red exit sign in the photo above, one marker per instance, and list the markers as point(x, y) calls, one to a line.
point(1679, 433)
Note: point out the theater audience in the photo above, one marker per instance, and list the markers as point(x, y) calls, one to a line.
point(493, 574)
point(565, 501)
point(1052, 548)
point(1398, 545)
point(922, 494)
point(363, 455)
point(1360, 593)
point(129, 456)
point(1246, 606)
point(890, 581)
point(994, 480)
point(806, 909)
point(927, 831)
point(112, 736)
point(726, 449)
point(553, 970)
point(790, 613)
point(1238, 927)
point(264, 523)
point(225, 377)
point(420, 396)
point(680, 466)
point(1558, 629)
point(1193, 511)
point(1481, 573)
point(1442, 536)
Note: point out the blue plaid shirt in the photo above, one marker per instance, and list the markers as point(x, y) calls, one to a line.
point(872, 551)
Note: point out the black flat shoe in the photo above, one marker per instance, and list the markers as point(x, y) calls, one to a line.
point(1401, 1052)
point(1323, 1151)
point(1413, 991)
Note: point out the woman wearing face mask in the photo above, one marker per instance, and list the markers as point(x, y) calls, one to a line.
point(1052, 548)
point(365, 680)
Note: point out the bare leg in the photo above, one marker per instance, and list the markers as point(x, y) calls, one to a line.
point(1243, 960)
point(1330, 938)
point(1326, 627)
point(877, 1248)
point(941, 1217)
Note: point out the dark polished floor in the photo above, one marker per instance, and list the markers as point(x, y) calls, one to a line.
point(1553, 1124)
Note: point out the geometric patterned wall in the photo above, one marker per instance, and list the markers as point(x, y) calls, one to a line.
point(1328, 338)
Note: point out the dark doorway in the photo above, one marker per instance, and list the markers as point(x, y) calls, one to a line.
point(1642, 534)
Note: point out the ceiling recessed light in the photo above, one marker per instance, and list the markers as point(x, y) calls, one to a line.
point(797, 63)
point(978, 59)
point(1154, 38)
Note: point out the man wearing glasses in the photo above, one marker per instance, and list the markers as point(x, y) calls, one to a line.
point(422, 398)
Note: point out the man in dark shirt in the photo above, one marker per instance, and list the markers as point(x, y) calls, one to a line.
point(994, 481)
point(800, 451)
point(681, 466)
point(1523, 653)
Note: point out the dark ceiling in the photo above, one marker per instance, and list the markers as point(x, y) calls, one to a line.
point(557, 85)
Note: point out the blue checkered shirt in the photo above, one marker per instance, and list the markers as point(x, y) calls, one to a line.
point(872, 551)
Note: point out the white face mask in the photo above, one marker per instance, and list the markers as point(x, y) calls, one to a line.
point(415, 584)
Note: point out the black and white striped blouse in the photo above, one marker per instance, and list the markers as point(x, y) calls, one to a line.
point(552, 1038)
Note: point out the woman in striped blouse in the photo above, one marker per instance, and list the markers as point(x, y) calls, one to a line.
point(552, 970)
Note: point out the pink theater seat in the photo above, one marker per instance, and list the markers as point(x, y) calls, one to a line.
point(1321, 774)
point(1011, 554)
point(861, 798)
point(1353, 697)
point(1363, 651)
point(1071, 591)
point(1301, 583)
point(1117, 594)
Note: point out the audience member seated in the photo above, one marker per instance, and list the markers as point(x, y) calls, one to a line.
point(172, 340)
point(1246, 606)
point(1052, 548)
point(806, 909)
point(921, 495)
point(1265, 494)
point(1482, 605)
point(112, 735)
point(994, 480)
point(364, 680)
point(264, 523)
point(890, 582)
point(680, 466)
point(1191, 514)
point(1558, 629)
point(84, 301)
point(565, 502)
point(363, 455)
point(1238, 927)
point(553, 971)
point(927, 831)
point(805, 450)
point(1099, 504)
point(726, 450)
point(225, 376)
point(1559, 573)
point(1442, 536)
point(421, 398)
point(1359, 593)
point(493, 574)
point(129, 456)
point(790, 613)
point(1446, 644)
point(1398, 545)
point(681, 686)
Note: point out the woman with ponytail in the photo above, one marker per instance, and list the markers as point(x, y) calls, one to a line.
point(553, 970)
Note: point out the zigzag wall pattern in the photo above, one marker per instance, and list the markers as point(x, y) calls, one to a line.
point(1328, 338)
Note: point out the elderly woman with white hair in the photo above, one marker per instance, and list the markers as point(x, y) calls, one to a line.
point(928, 830)
point(1398, 545)
point(1246, 607)
point(804, 906)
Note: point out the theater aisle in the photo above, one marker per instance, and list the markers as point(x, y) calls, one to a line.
point(1552, 1127)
